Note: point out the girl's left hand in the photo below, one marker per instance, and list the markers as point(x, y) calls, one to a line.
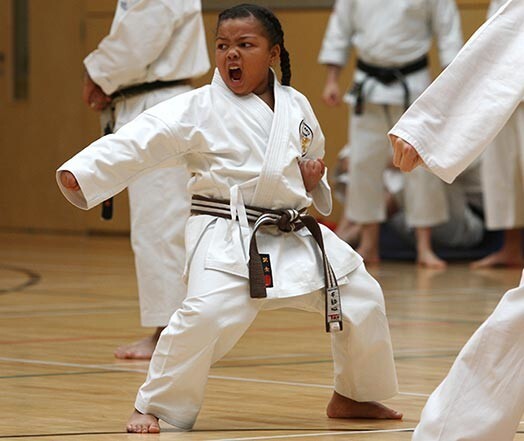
point(312, 171)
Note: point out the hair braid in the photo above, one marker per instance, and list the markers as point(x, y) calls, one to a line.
point(285, 64)
point(272, 26)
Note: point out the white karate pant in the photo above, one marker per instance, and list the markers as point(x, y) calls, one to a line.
point(503, 175)
point(217, 312)
point(369, 154)
point(159, 207)
point(482, 397)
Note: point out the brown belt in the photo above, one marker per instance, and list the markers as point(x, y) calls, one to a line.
point(286, 220)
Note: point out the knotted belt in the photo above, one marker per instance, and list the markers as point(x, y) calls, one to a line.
point(286, 220)
point(386, 76)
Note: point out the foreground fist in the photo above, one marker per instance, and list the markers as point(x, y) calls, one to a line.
point(405, 156)
point(69, 181)
point(312, 171)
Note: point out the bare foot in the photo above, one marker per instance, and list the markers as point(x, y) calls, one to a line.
point(142, 423)
point(343, 407)
point(428, 259)
point(139, 350)
point(499, 258)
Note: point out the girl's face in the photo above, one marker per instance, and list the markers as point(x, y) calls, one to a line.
point(243, 55)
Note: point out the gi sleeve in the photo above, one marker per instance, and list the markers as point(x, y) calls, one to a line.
point(109, 164)
point(445, 22)
point(135, 41)
point(452, 122)
point(336, 45)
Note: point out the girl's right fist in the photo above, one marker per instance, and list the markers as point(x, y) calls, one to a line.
point(69, 181)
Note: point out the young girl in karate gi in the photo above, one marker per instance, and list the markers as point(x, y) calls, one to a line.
point(249, 142)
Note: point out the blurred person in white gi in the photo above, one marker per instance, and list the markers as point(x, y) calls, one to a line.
point(392, 41)
point(152, 51)
point(502, 176)
point(482, 397)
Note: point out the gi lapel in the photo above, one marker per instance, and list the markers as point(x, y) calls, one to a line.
point(251, 105)
point(276, 152)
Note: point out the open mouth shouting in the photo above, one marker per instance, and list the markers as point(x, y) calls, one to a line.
point(235, 74)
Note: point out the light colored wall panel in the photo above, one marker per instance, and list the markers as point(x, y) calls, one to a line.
point(45, 129)
point(40, 134)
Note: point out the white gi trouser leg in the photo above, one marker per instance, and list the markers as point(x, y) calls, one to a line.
point(159, 207)
point(464, 228)
point(425, 199)
point(503, 175)
point(369, 155)
point(364, 368)
point(216, 313)
point(482, 397)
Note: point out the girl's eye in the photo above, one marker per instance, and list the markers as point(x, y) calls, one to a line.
point(246, 45)
point(221, 46)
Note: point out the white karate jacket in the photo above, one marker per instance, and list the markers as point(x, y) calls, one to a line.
point(391, 33)
point(150, 40)
point(237, 149)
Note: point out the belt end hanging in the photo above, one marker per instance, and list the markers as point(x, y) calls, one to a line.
point(333, 310)
point(107, 209)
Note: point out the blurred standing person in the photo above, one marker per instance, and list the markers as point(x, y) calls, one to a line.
point(392, 40)
point(152, 51)
point(482, 397)
point(503, 175)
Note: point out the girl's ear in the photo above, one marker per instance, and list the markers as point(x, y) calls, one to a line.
point(274, 53)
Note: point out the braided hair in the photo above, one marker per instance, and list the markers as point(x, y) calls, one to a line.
point(271, 25)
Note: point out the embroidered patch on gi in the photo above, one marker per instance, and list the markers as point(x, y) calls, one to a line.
point(306, 137)
point(268, 274)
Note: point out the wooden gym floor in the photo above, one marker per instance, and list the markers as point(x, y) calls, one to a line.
point(67, 301)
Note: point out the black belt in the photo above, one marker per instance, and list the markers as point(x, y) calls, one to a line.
point(386, 76)
point(138, 89)
point(285, 220)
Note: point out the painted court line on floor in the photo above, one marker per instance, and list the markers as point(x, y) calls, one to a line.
point(214, 377)
point(309, 435)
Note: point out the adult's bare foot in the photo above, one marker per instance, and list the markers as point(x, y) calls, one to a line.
point(343, 407)
point(428, 259)
point(499, 258)
point(139, 350)
point(142, 423)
